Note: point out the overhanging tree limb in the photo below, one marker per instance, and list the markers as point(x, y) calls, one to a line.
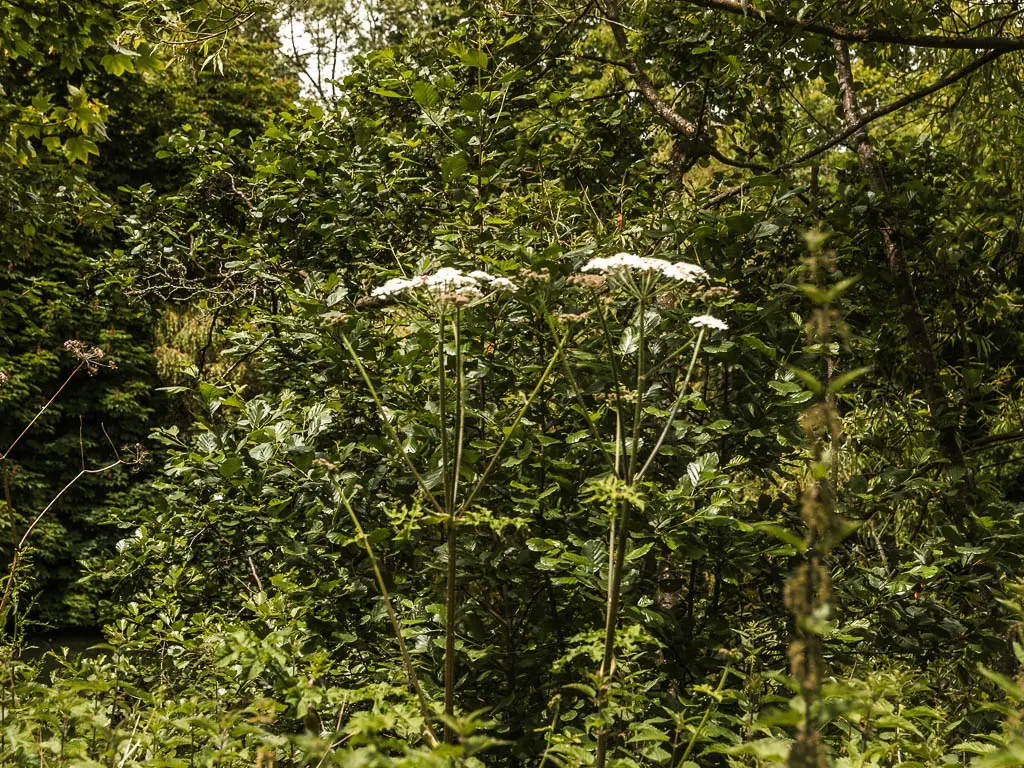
point(676, 122)
point(865, 120)
point(659, 106)
point(845, 34)
point(905, 101)
point(686, 128)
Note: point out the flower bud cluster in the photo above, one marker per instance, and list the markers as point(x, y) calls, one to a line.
point(717, 292)
point(542, 275)
point(593, 282)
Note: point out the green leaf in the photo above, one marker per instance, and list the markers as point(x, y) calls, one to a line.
point(476, 59)
point(639, 552)
point(784, 535)
point(231, 466)
point(262, 452)
point(514, 39)
point(78, 148)
point(839, 289)
point(425, 94)
point(808, 378)
point(1008, 686)
point(453, 167)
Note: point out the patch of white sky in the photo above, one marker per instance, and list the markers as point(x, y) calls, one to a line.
point(321, 45)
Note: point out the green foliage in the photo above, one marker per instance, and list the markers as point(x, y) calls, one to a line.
point(60, 220)
point(557, 525)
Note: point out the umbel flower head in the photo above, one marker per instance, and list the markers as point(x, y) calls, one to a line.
point(447, 287)
point(708, 321)
point(679, 271)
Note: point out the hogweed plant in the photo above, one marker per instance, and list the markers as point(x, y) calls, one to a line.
point(445, 298)
point(637, 303)
point(644, 294)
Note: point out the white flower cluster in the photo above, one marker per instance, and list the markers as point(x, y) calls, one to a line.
point(708, 321)
point(678, 270)
point(446, 284)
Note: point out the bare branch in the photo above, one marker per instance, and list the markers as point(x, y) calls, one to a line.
point(724, 160)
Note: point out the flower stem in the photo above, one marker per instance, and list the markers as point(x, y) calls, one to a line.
point(641, 384)
point(460, 405)
point(606, 332)
point(451, 543)
point(386, 424)
point(619, 532)
point(442, 387)
point(28, 531)
point(410, 671)
point(42, 410)
point(674, 410)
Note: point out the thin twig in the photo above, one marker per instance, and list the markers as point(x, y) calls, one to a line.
point(675, 408)
point(42, 410)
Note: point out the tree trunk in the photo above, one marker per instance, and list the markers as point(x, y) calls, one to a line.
point(918, 335)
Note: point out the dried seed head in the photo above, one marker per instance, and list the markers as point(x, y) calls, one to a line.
point(809, 588)
point(88, 356)
point(806, 665)
point(135, 454)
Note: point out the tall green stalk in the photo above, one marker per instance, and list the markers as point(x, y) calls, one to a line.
point(451, 574)
point(619, 533)
point(442, 385)
point(447, 507)
point(616, 380)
